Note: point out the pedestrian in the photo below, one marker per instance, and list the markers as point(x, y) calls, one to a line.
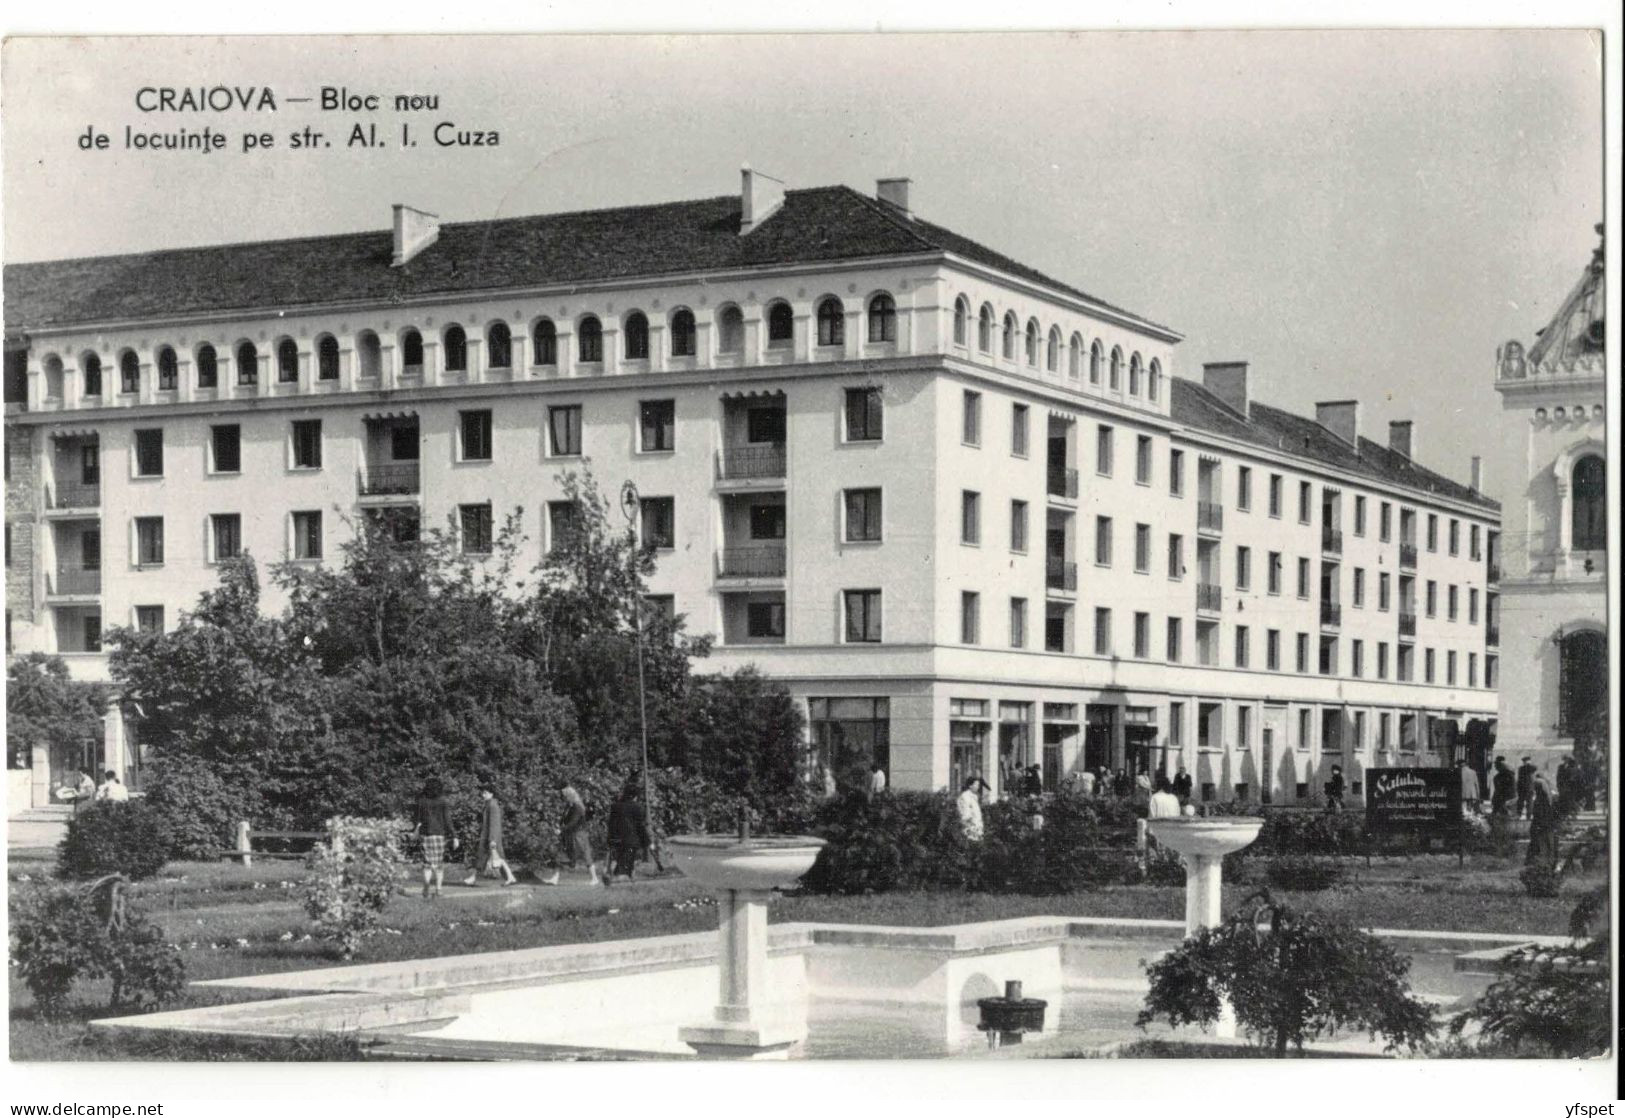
point(1122, 786)
point(1086, 783)
point(1526, 787)
point(488, 853)
point(1469, 787)
point(826, 780)
point(970, 809)
point(1164, 804)
point(112, 788)
point(574, 846)
point(1033, 782)
point(628, 833)
point(1502, 788)
point(1334, 790)
point(1543, 823)
point(432, 825)
point(1182, 785)
point(1568, 791)
point(877, 780)
point(84, 790)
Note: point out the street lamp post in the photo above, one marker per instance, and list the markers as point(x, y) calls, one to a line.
point(629, 506)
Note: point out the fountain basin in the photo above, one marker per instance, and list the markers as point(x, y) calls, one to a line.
point(1206, 837)
point(756, 865)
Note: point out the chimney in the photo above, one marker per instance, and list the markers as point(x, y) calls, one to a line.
point(893, 192)
point(415, 230)
point(759, 196)
point(1399, 438)
point(1341, 418)
point(1228, 381)
point(1478, 474)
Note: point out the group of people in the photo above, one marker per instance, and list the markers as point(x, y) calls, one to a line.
point(1525, 793)
point(629, 836)
point(84, 789)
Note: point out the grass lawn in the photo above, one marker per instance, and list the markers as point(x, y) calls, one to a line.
point(230, 921)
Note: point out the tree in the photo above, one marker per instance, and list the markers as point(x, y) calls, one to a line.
point(44, 706)
point(1306, 976)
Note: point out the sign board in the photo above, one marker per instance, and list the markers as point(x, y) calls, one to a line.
point(1423, 805)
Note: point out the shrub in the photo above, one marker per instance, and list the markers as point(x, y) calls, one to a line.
point(61, 937)
point(903, 840)
point(199, 809)
point(352, 878)
point(1303, 873)
point(124, 837)
point(1541, 879)
point(1163, 866)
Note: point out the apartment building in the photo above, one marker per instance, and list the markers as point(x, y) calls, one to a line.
point(970, 515)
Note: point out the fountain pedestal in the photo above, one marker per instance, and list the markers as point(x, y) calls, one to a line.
point(747, 1023)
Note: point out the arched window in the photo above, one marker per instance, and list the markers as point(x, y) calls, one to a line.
point(1116, 381)
point(454, 348)
point(961, 321)
point(590, 341)
point(248, 364)
point(1052, 352)
point(1134, 370)
point(498, 346)
point(91, 365)
point(831, 322)
point(781, 325)
point(1032, 342)
point(882, 319)
point(730, 330)
point(1589, 495)
point(129, 371)
point(984, 329)
point(53, 377)
point(1095, 353)
point(682, 333)
point(1007, 348)
point(287, 361)
point(412, 352)
point(208, 366)
point(327, 357)
point(544, 343)
point(369, 353)
point(1582, 683)
point(636, 331)
point(169, 368)
point(1153, 381)
point(1074, 357)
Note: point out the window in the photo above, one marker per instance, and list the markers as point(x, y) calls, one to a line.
point(129, 372)
point(882, 319)
point(1142, 636)
point(764, 619)
point(1244, 488)
point(1427, 666)
point(1134, 374)
point(1103, 541)
point(850, 735)
point(1384, 591)
point(1328, 655)
point(544, 343)
point(403, 442)
point(561, 524)
point(657, 425)
point(1154, 381)
point(1589, 494)
point(1303, 653)
point(1008, 351)
point(1018, 430)
point(984, 329)
point(564, 430)
point(226, 530)
point(476, 525)
point(1275, 495)
point(1142, 459)
point(1303, 502)
point(498, 346)
point(1116, 375)
point(781, 325)
point(1359, 516)
point(1432, 598)
point(970, 622)
point(863, 415)
point(971, 432)
point(168, 369)
point(327, 358)
point(1018, 622)
point(226, 442)
point(1243, 645)
point(476, 430)
point(1359, 587)
point(149, 453)
point(1455, 536)
point(1103, 451)
point(307, 444)
point(1433, 532)
point(287, 361)
point(1472, 606)
point(1244, 568)
point(970, 517)
point(767, 522)
point(1018, 526)
point(1176, 473)
point(1450, 602)
point(1175, 652)
point(149, 541)
point(730, 330)
point(1176, 555)
point(307, 535)
point(1385, 522)
point(1582, 682)
point(412, 352)
point(765, 425)
point(1357, 652)
point(1142, 548)
point(1052, 352)
point(248, 365)
point(149, 619)
point(1273, 576)
point(1103, 631)
point(1472, 669)
point(635, 337)
point(1382, 659)
point(862, 515)
point(1450, 668)
point(91, 365)
point(1272, 649)
point(659, 516)
point(682, 333)
point(1303, 578)
point(831, 323)
point(590, 341)
point(90, 549)
point(1032, 342)
point(961, 321)
point(1475, 547)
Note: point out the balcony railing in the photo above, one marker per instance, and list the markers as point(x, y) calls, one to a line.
point(1331, 541)
point(753, 461)
point(1407, 624)
point(1492, 571)
point(1209, 516)
point(751, 562)
point(1209, 596)
point(1492, 636)
point(1063, 482)
point(1060, 575)
point(390, 480)
point(75, 580)
point(1331, 614)
point(76, 496)
point(1407, 555)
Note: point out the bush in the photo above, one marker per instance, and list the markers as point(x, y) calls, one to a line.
point(1163, 866)
point(902, 840)
point(61, 937)
point(124, 837)
point(199, 809)
point(1308, 832)
point(1541, 879)
point(352, 879)
point(1302, 873)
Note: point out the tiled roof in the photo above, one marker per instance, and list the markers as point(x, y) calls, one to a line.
point(821, 224)
point(1277, 430)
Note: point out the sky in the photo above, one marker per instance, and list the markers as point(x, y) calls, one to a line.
point(1357, 214)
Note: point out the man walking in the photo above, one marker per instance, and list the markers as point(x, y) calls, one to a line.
point(1334, 790)
point(1502, 788)
point(1526, 786)
point(488, 854)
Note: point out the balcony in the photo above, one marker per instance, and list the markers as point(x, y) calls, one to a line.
point(1407, 556)
point(74, 581)
point(1407, 624)
point(1331, 615)
point(1063, 482)
point(1492, 636)
point(393, 480)
point(751, 462)
point(1209, 517)
point(751, 562)
point(1209, 597)
point(1492, 571)
point(1331, 541)
point(74, 496)
point(1061, 575)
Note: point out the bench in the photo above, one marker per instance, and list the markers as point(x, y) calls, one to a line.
point(245, 853)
